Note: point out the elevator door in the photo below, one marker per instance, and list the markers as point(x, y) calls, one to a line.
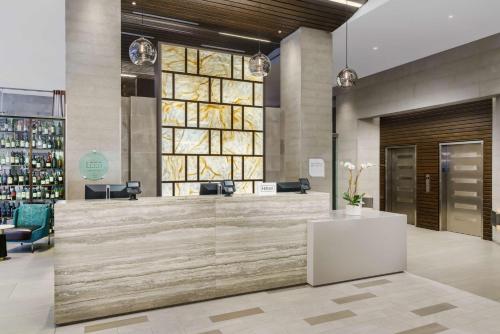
point(462, 187)
point(400, 185)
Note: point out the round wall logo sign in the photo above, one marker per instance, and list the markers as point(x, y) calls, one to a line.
point(93, 166)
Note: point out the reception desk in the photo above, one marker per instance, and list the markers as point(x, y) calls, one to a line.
point(120, 256)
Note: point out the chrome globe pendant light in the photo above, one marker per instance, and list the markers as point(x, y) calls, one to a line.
point(142, 51)
point(347, 77)
point(259, 65)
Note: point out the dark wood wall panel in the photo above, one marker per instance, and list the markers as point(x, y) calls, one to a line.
point(426, 129)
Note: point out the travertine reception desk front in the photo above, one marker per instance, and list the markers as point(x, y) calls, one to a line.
point(120, 256)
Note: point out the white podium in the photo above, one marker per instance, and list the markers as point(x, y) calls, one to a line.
point(343, 248)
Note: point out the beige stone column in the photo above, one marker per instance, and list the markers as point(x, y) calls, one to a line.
point(306, 103)
point(93, 88)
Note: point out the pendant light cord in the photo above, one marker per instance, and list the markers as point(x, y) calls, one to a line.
point(346, 30)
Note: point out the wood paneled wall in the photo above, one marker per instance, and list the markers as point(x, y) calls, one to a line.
point(426, 129)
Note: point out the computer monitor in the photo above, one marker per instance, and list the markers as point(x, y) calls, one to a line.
point(209, 188)
point(285, 187)
point(98, 191)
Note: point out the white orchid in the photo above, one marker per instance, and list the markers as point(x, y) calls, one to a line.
point(351, 195)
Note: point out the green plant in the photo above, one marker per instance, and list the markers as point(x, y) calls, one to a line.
point(353, 199)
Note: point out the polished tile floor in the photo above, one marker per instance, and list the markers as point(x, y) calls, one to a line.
point(405, 303)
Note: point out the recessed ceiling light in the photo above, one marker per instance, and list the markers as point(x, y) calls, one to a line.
point(279, 31)
point(245, 37)
point(375, 48)
point(134, 3)
point(451, 16)
point(349, 3)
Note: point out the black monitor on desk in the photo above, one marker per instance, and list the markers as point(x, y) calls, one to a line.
point(209, 188)
point(98, 191)
point(285, 187)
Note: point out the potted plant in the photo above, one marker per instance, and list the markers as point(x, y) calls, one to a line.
point(354, 200)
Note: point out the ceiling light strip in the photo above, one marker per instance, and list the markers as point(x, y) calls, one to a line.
point(349, 3)
point(245, 37)
point(126, 75)
point(221, 48)
point(167, 18)
point(138, 35)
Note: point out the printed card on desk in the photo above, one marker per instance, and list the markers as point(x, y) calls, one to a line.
point(266, 188)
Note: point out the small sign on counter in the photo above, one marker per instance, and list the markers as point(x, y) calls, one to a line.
point(266, 188)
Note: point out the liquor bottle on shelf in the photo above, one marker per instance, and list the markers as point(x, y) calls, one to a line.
point(48, 162)
point(9, 178)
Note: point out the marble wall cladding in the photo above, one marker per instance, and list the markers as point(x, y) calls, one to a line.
point(259, 143)
point(215, 116)
point(237, 117)
point(215, 168)
point(245, 187)
point(173, 58)
point(192, 114)
point(237, 168)
point(259, 94)
point(237, 67)
point(173, 113)
point(179, 250)
point(191, 141)
point(254, 118)
point(173, 168)
point(215, 64)
point(248, 75)
point(213, 100)
point(237, 92)
point(167, 189)
point(187, 189)
point(215, 142)
point(253, 168)
point(215, 90)
point(237, 143)
point(191, 87)
point(167, 85)
point(192, 61)
point(192, 168)
point(166, 140)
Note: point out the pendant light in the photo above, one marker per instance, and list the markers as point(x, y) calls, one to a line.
point(142, 51)
point(259, 65)
point(347, 77)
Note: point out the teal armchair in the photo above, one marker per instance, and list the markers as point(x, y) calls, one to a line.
point(32, 223)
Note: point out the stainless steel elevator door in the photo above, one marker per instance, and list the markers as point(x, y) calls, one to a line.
point(401, 192)
point(462, 187)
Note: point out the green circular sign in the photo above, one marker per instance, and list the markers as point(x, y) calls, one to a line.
point(93, 166)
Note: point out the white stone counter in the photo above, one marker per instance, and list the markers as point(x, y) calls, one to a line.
point(120, 256)
point(342, 247)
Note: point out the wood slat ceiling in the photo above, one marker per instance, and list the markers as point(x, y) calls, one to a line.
point(257, 18)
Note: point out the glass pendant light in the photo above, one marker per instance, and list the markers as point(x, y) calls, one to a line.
point(142, 51)
point(347, 77)
point(259, 65)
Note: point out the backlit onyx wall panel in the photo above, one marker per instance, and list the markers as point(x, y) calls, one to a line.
point(212, 120)
point(426, 129)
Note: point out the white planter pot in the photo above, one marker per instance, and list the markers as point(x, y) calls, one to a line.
point(353, 210)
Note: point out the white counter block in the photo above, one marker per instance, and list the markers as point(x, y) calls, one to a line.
point(343, 247)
